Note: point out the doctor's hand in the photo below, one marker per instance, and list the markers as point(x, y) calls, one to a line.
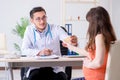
point(45, 52)
point(73, 40)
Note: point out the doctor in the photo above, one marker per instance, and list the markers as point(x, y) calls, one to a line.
point(41, 38)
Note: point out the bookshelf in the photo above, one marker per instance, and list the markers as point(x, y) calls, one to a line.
point(74, 12)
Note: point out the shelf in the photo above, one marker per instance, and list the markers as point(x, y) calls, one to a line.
point(81, 1)
point(75, 20)
point(74, 12)
point(72, 16)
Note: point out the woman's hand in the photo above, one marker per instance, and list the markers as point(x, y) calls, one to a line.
point(72, 40)
point(86, 62)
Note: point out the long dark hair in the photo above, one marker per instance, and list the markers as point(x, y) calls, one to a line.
point(99, 23)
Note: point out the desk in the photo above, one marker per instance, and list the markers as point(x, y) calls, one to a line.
point(28, 62)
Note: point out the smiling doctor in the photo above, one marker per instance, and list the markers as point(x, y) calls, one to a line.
point(41, 38)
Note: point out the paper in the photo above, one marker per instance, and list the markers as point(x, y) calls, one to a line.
point(47, 57)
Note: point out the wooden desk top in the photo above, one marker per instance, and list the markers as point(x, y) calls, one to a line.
point(31, 59)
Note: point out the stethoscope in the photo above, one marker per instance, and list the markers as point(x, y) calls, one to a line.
point(48, 32)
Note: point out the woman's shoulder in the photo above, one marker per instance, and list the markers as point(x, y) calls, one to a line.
point(99, 36)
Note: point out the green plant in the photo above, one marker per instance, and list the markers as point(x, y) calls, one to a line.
point(20, 29)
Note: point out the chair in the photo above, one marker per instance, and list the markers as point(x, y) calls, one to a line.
point(3, 45)
point(68, 69)
point(113, 64)
point(64, 51)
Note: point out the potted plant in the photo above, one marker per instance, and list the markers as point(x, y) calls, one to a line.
point(19, 30)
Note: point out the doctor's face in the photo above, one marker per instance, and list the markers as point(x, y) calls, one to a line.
point(40, 21)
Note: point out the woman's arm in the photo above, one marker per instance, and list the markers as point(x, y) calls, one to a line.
point(77, 50)
point(99, 54)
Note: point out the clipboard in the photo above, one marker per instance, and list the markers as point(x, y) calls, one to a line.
point(47, 57)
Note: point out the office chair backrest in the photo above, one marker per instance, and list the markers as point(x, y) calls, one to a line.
point(64, 51)
point(113, 64)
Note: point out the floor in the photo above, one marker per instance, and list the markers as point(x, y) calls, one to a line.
point(3, 75)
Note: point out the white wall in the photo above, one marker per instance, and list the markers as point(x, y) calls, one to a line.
point(12, 10)
point(112, 7)
point(116, 16)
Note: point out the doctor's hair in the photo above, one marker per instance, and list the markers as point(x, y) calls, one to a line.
point(36, 9)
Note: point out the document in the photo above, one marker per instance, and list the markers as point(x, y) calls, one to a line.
point(47, 57)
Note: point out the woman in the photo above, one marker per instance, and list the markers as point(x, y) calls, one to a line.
point(100, 35)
